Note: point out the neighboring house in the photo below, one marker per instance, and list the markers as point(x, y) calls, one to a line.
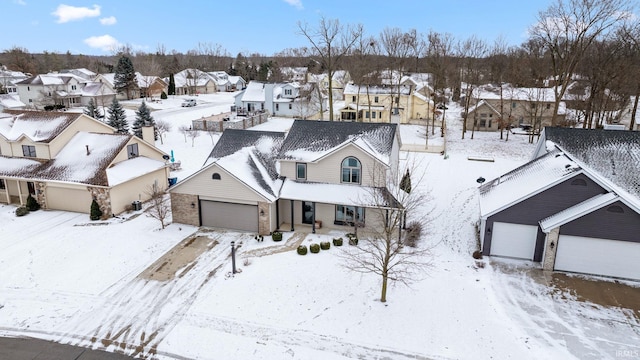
point(226, 82)
point(10, 102)
point(8, 79)
point(194, 82)
point(318, 174)
point(340, 79)
point(395, 104)
point(65, 160)
point(81, 72)
point(151, 86)
point(516, 107)
point(63, 89)
point(295, 74)
point(575, 207)
point(280, 99)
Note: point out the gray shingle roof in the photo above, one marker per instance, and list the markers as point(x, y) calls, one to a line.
point(319, 136)
point(613, 154)
point(233, 140)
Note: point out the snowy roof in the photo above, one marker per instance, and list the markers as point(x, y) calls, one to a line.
point(247, 166)
point(526, 181)
point(41, 126)
point(74, 164)
point(17, 167)
point(613, 154)
point(131, 169)
point(364, 107)
point(577, 211)
point(192, 77)
point(353, 89)
point(254, 92)
point(233, 140)
point(96, 89)
point(339, 194)
point(144, 81)
point(10, 101)
point(310, 140)
point(481, 103)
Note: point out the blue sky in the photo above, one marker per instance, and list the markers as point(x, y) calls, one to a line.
point(249, 26)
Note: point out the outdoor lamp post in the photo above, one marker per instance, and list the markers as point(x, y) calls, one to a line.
point(233, 256)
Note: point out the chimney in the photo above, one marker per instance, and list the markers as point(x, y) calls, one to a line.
point(88, 152)
point(148, 134)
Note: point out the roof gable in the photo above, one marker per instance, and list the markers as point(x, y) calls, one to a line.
point(39, 126)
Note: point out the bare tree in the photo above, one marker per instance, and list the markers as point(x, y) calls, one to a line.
point(330, 42)
point(382, 250)
point(439, 53)
point(159, 208)
point(184, 130)
point(567, 28)
point(397, 46)
point(193, 134)
point(470, 52)
point(163, 127)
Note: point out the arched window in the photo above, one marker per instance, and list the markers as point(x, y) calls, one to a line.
point(351, 169)
point(215, 176)
point(579, 182)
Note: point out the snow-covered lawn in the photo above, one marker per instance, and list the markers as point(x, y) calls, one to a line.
point(65, 278)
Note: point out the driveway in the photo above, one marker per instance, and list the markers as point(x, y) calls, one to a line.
point(35, 349)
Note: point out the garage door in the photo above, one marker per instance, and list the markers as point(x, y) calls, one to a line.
point(66, 199)
point(598, 256)
point(229, 215)
point(514, 240)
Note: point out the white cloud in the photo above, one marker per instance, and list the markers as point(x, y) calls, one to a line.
point(295, 3)
point(104, 42)
point(20, 2)
point(108, 20)
point(66, 13)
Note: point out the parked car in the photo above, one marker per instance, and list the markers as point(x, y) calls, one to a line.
point(189, 102)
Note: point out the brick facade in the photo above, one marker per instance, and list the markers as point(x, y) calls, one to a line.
point(184, 208)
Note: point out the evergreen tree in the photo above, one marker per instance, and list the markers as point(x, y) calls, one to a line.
point(32, 204)
point(405, 183)
point(93, 111)
point(96, 213)
point(116, 117)
point(125, 76)
point(143, 118)
point(172, 85)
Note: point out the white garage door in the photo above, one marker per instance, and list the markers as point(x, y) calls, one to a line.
point(229, 215)
point(598, 256)
point(514, 240)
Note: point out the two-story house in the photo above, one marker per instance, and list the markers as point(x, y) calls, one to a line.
point(194, 82)
point(65, 160)
point(318, 174)
point(62, 89)
point(281, 99)
point(515, 106)
point(380, 103)
point(226, 82)
point(8, 78)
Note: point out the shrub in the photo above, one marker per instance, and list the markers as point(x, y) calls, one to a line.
point(412, 234)
point(477, 254)
point(96, 213)
point(314, 248)
point(337, 242)
point(22, 211)
point(163, 95)
point(302, 250)
point(325, 245)
point(276, 236)
point(32, 204)
point(48, 107)
point(353, 239)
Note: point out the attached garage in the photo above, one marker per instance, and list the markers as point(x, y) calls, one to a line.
point(229, 215)
point(598, 256)
point(68, 199)
point(514, 240)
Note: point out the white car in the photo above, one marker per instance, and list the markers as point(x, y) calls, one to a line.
point(188, 103)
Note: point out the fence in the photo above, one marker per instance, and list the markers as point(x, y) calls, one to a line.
point(228, 120)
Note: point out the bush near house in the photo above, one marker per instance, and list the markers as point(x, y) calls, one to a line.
point(22, 211)
point(276, 236)
point(302, 250)
point(325, 245)
point(353, 238)
point(337, 242)
point(96, 213)
point(314, 248)
point(32, 204)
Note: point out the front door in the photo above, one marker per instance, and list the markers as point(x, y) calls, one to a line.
point(307, 212)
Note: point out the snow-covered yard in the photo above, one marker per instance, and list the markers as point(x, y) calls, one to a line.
point(98, 284)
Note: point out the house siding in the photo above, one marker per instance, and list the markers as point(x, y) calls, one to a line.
point(619, 226)
point(227, 189)
point(122, 195)
point(551, 201)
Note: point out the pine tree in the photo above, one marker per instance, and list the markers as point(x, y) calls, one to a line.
point(96, 213)
point(172, 85)
point(125, 76)
point(116, 117)
point(93, 111)
point(405, 183)
point(143, 118)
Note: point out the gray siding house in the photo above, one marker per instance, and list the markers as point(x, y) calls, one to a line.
point(574, 207)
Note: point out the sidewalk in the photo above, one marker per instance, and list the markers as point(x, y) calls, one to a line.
point(36, 349)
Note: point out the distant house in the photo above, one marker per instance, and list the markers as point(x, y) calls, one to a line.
point(10, 102)
point(295, 74)
point(8, 79)
point(63, 89)
point(339, 80)
point(574, 207)
point(395, 104)
point(318, 174)
point(65, 160)
point(516, 106)
point(280, 99)
point(226, 82)
point(194, 82)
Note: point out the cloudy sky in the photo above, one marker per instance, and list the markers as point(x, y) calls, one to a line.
point(248, 26)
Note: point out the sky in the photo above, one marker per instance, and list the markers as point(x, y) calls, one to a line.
point(248, 26)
